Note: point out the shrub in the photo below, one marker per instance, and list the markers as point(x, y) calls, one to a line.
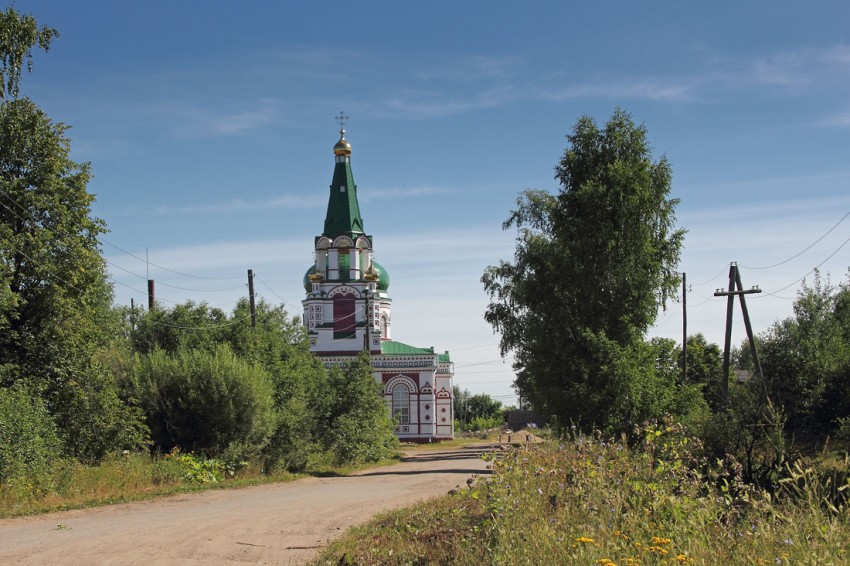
point(479, 424)
point(205, 402)
point(29, 445)
point(357, 426)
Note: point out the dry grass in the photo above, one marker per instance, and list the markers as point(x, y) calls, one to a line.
point(132, 477)
point(594, 501)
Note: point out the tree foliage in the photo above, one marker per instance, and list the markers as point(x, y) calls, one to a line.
point(210, 402)
point(479, 407)
point(806, 359)
point(55, 300)
point(312, 410)
point(705, 368)
point(356, 424)
point(591, 267)
point(29, 445)
point(19, 34)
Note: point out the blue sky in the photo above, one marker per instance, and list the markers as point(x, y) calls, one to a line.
point(209, 126)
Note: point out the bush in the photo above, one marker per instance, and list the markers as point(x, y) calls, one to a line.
point(29, 445)
point(483, 423)
point(205, 402)
point(357, 426)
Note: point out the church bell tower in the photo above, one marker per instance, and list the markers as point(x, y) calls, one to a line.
point(347, 309)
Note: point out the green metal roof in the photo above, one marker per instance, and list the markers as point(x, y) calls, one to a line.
point(343, 215)
point(393, 348)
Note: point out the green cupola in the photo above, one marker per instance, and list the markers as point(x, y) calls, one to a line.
point(343, 217)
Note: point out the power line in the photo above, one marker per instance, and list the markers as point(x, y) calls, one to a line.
point(105, 241)
point(818, 266)
point(828, 232)
point(215, 325)
point(719, 273)
point(267, 286)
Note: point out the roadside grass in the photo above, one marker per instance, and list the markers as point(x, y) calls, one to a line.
point(598, 501)
point(457, 442)
point(435, 532)
point(118, 479)
point(136, 477)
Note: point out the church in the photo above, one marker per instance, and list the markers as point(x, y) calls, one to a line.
point(348, 310)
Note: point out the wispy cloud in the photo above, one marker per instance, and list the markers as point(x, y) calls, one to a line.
point(402, 192)
point(421, 104)
point(837, 120)
point(804, 69)
point(647, 89)
point(472, 68)
point(216, 119)
point(240, 205)
point(291, 201)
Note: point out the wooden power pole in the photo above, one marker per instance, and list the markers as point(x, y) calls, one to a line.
point(684, 328)
point(251, 298)
point(736, 288)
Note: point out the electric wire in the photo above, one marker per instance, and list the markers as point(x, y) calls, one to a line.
point(707, 281)
point(818, 266)
point(267, 286)
point(104, 240)
point(147, 262)
point(828, 232)
point(214, 326)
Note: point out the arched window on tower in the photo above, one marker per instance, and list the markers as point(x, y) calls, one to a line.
point(401, 404)
point(345, 325)
point(384, 327)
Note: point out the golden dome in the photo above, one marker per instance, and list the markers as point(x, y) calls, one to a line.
point(342, 147)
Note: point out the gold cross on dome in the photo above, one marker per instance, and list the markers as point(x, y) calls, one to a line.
point(341, 119)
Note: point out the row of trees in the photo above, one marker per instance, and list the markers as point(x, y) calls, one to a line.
point(80, 378)
point(476, 411)
point(593, 264)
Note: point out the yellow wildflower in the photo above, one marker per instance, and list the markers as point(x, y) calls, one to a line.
point(659, 540)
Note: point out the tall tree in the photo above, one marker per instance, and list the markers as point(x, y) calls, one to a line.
point(55, 300)
point(591, 267)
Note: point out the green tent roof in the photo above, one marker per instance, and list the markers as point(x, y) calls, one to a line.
point(343, 215)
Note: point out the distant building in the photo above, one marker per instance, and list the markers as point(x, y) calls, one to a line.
point(348, 310)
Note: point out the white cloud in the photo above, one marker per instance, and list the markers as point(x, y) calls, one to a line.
point(671, 90)
point(287, 201)
point(471, 68)
point(200, 119)
point(401, 192)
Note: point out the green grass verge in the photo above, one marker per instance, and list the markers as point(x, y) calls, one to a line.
point(137, 477)
point(594, 501)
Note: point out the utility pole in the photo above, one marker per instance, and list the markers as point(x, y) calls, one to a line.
point(251, 298)
point(684, 328)
point(366, 332)
point(735, 281)
point(151, 294)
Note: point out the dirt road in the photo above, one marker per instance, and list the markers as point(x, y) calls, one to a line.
point(270, 524)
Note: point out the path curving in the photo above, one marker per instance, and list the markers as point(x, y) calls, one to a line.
point(285, 523)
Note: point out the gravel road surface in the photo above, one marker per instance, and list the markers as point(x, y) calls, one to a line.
point(283, 523)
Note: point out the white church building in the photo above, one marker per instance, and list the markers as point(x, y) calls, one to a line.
point(348, 310)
